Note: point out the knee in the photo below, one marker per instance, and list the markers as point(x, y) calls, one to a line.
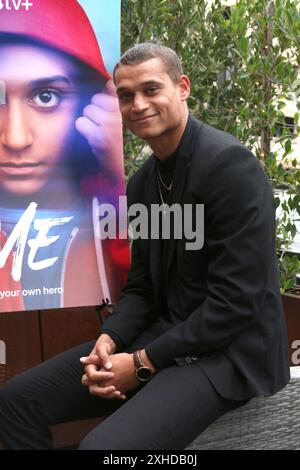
point(101, 439)
point(2, 397)
point(84, 445)
point(87, 444)
point(10, 393)
point(5, 394)
point(6, 403)
point(98, 440)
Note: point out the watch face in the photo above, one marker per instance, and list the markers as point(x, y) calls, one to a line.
point(144, 374)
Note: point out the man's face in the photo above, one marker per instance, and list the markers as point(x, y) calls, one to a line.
point(151, 104)
point(39, 102)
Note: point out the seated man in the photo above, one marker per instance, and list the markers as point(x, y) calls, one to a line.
point(198, 330)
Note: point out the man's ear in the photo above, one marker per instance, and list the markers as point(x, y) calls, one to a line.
point(184, 87)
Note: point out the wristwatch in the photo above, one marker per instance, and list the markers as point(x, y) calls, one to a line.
point(142, 372)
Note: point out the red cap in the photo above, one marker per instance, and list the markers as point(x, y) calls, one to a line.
point(61, 24)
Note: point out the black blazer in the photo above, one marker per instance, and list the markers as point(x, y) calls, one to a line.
point(224, 299)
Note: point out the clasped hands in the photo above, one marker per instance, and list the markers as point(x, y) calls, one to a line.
point(109, 375)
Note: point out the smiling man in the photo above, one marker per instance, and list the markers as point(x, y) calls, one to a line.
point(196, 333)
point(149, 105)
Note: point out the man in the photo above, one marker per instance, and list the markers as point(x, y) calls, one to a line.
point(196, 333)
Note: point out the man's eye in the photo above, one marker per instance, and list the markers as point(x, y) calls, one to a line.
point(152, 90)
point(125, 97)
point(46, 99)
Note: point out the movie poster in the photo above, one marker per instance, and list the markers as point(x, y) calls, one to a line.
point(60, 154)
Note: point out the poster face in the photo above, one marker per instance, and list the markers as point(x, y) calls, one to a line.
point(60, 154)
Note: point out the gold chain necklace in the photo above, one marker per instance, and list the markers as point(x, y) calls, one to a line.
point(168, 188)
point(163, 203)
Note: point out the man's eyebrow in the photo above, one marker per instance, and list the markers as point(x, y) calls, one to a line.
point(147, 83)
point(152, 82)
point(47, 80)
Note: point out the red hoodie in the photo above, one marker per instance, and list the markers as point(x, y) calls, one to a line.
point(61, 24)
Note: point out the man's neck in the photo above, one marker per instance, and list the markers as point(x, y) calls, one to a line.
point(166, 144)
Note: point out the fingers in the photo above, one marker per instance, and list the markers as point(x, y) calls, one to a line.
point(87, 129)
point(119, 395)
point(98, 357)
point(105, 102)
point(95, 376)
point(110, 88)
point(102, 117)
point(94, 113)
point(92, 133)
point(104, 355)
point(106, 392)
point(91, 359)
point(90, 369)
point(85, 380)
point(92, 363)
point(102, 391)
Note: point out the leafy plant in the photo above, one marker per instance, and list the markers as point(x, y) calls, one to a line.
point(243, 63)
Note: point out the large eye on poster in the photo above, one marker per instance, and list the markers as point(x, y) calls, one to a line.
point(60, 154)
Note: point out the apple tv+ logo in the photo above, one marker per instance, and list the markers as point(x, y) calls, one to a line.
point(15, 5)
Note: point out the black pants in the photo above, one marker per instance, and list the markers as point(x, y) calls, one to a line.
point(166, 413)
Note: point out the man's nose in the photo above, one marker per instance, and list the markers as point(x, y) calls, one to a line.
point(140, 103)
point(15, 132)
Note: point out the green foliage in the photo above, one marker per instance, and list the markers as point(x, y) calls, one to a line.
point(243, 64)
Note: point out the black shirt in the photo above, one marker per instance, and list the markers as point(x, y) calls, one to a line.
point(166, 169)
